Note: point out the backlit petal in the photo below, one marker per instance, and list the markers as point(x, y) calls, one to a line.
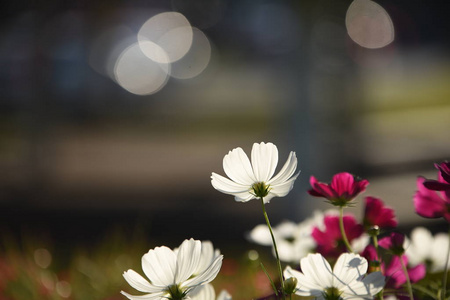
point(264, 160)
point(366, 288)
point(286, 171)
point(159, 265)
point(208, 275)
point(283, 188)
point(315, 267)
point(237, 166)
point(306, 286)
point(348, 268)
point(140, 283)
point(227, 186)
point(189, 255)
point(153, 296)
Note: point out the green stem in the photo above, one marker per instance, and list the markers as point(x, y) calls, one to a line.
point(444, 278)
point(341, 226)
point(375, 244)
point(408, 281)
point(274, 247)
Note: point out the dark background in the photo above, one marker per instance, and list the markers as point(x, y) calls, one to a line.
point(81, 156)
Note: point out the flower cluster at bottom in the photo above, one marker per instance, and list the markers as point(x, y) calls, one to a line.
point(182, 273)
point(369, 259)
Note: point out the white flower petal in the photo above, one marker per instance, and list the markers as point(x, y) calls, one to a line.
point(153, 296)
point(366, 288)
point(282, 189)
point(227, 186)
point(208, 275)
point(224, 295)
point(305, 286)
point(286, 172)
point(264, 160)
point(360, 243)
point(237, 166)
point(140, 283)
point(243, 197)
point(260, 235)
point(348, 268)
point(268, 198)
point(205, 292)
point(315, 267)
point(208, 255)
point(188, 258)
point(423, 241)
point(159, 265)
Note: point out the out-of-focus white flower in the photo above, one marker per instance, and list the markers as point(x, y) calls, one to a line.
point(423, 247)
point(251, 180)
point(360, 243)
point(207, 292)
point(294, 241)
point(347, 279)
point(173, 274)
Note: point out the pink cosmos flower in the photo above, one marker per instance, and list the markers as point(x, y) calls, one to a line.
point(377, 214)
point(393, 243)
point(443, 183)
point(342, 189)
point(329, 241)
point(396, 276)
point(394, 272)
point(431, 204)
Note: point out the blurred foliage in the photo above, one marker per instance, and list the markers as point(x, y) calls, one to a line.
point(34, 267)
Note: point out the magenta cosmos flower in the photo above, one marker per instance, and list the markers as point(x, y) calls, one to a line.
point(431, 204)
point(329, 241)
point(342, 189)
point(377, 215)
point(393, 243)
point(396, 276)
point(443, 183)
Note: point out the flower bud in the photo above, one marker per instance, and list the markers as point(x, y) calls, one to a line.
point(290, 285)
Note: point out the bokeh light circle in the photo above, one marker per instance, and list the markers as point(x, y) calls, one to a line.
point(138, 74)
point(369, 25)
point(196, 60)
point(171, 31)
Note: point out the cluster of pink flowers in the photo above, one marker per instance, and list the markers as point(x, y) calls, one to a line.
point(387, 254)
point(432, 200)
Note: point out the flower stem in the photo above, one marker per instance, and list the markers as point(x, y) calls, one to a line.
point(408, 281)
point(341, 226)
point(444, 278)
point(274, 247)
point(375, 244)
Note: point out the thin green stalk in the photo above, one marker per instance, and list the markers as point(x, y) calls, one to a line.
point(270, 279)
point(274, 247)
point(341, 227)
point(375, 244)
point(444, 278)
point(408, 281)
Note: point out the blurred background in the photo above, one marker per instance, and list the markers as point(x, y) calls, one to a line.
point(115, 113)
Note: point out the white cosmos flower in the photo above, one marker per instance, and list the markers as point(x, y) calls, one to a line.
point(347, 280)
point(426, 248)
point(207, 292)
point(294, 240)
point(173, 274)
point(250, 180)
